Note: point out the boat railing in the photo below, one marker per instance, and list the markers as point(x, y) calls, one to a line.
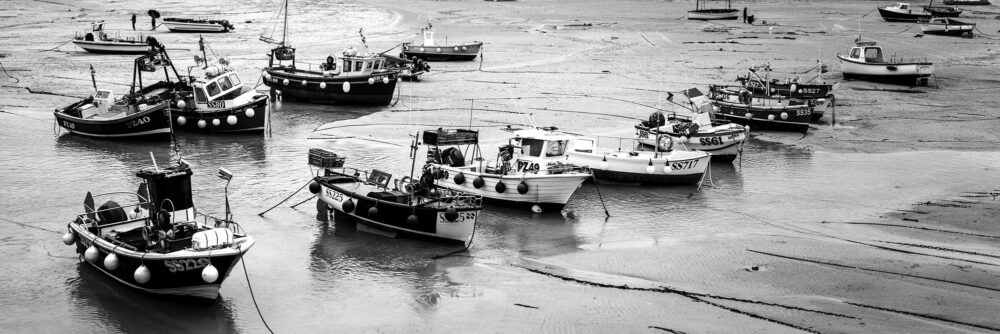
point(635, 144)
point(235, 227)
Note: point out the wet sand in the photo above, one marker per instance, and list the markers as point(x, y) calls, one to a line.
point(596, 68)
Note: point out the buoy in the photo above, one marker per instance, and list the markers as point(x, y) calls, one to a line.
point(459, 178)
point(604, 163)
point(322, 85)
point(231, 120)
point(773, 90)
point(181, 104)
point(438, 50)
point(683, 139)
point(451, 213)
point(373, 212)
point(249, 113)
point(201, 124)
point(314, 187)
point(412, 220)
point(284, 82)
point(371, 81)
point(421, 49)
point(142, 274)
point(792, 90)
point(267, 76)
point(536, 209)
point(385, 80)
point(456, 48)
point(216, 122)
point(784, 115)
point(347, 86)
point(304, 82)
point(667, 168)
point(209, 274)
point(464, 48)
point(92, 254)
point(69, 238)
point(111, 261)
point(500, 187)
point(748, 115)
point(181, 120)
point(522, 188)
point(770, 117)
point(348, 206)
point(433, 192)
point(649, 168)
point(478, 182)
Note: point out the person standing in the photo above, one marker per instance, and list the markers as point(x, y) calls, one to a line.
point(744, 15)
point(133, 21)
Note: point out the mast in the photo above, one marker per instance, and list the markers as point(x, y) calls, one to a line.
point(284, 29)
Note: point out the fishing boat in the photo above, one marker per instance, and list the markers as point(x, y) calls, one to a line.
point(727, 13)
point(159, 244)
point(217, 99)
point(901, 12)
point(140, 113)
point(764, 112)
point(409, 70)
point(404, 206)
point(967, 2)
point(351, 77)
point(674, 166)
point(942, 11)
point(700, 131)
point(98, 41)
point(177, 24)
point(431, 50)
point(866, 61)
point(946, 26)
point(532, 173)
point(817, 94)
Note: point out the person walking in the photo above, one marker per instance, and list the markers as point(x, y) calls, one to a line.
point(133, 21)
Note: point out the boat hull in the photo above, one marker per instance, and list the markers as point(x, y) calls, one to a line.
point(724, 145)
point(894, 16)
point(950, 29)
point(967, 2)
point(431, 222)
point(171, 274)
point(788, 118)
point(713, 14)
point(112, 47)
point(317, 88)
point(194, 26)
point(151, 123)
point(245, 122)
point(887, 72)
point(943, 11)
point(625, 168)
point(547, 190)
point(443, 52)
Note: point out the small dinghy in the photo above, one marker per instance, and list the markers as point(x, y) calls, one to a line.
point(98, 41)
point(431, 50)
point(738, 105)
point(901, 12)
point(866, 61)
point(947, 26)
point(415, 208)
point(699, 131)
point(727, 13)
point(176, 24)
point(160, 244)
point(533, 172)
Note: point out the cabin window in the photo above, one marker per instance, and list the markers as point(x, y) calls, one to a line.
point(358, 66)
point(225, 83)
point(235, 78)
point(347, 65)
point(369, 64)
point(378, 65)
point(199, 95)
point(856, 53)
point(873, 55)
point(532, 147)
point(556, 148)
point(213, 89)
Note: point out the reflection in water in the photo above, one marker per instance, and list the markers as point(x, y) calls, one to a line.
point(99, 302)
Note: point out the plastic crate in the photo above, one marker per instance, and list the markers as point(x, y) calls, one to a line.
point(323, 158)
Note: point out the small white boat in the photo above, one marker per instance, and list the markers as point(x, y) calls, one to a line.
point(433, 50)
point(535, 174)
point(866, 61)
point(699, 131)
point(713, 14)
point(672, 167)
point(946, 26)
point(176, 24)
point(98, 41)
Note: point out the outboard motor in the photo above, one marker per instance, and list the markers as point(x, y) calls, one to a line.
point(657, 119)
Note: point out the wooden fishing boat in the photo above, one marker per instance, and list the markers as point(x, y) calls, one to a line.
point(674, 166)
point(816, 94)
point(538, 175)
point(98, 41)
point(942, 11)
point(414, 208)
point(160, 244)
point(946, 26)
point(727, 13)
point(763, 112)
point(901, 12)
point(700, 131)
point(177, 24)
point(865, 61)
point(352, 77)
point(431, 50)
point(967, 2)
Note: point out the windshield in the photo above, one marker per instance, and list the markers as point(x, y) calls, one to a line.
point(199, 95)
point(235, 78)
point(213, 89)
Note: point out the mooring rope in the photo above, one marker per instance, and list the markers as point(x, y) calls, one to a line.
point(252, 297)
point(286, 199)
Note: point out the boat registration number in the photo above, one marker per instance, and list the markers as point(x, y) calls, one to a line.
point(681, 165)
point(643, 134)
point(69, 125)
point(216, 104)
point(186, 264)
point(527, 166)
point(137, 122)
point(803, 112)
point(462, 217)
point(334, 195)
point(809, 91)
point(712, 140)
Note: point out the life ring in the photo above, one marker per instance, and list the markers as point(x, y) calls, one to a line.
point(667, 142)
point(745, 97)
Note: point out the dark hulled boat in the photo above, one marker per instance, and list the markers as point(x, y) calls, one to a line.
point(967, 2)
point(159, 244)
point(942, 11)
point(901, 12)
point(700, 13)
point(815, 94)
point(432, 50)
point(762, 112)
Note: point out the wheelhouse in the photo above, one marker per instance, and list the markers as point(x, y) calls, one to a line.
point(866, 52)
point(217, 86)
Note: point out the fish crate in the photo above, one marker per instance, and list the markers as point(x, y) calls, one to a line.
point(451, 137)
point(323, 158)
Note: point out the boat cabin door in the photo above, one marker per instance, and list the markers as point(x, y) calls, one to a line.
point(428, 38)
point(104, 99)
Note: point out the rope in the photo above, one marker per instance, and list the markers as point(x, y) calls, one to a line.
point(286, 198)
point(57, 47)
point(597, 186)
point(907, 28)
point(16, 80)
point(252, 297)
